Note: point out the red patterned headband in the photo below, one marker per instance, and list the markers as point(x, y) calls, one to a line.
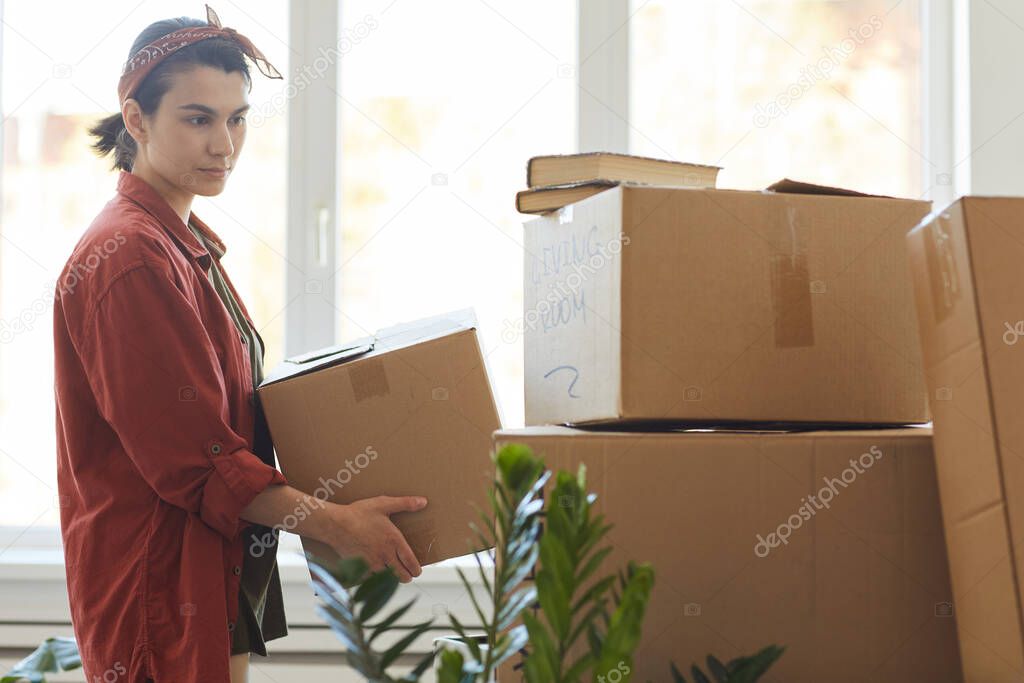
point(146, 59)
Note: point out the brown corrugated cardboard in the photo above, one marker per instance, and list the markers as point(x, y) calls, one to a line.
point(858, 591)
point(689, 304)
point(407, 412)
point(967, 270)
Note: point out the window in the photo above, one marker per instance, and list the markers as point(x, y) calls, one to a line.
point(56, 81)
point(441, 106)
point(824, 91)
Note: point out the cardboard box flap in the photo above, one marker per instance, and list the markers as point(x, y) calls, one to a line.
point(386, 339)
point(789, 186)
point(417, 331)
point(320, 358)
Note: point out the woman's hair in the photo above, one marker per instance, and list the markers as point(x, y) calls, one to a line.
point(110, 133)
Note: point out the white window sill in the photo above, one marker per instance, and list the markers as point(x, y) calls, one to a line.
point(33, 596)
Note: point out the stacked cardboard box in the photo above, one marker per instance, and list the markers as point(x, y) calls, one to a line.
point(781, 324)
point(827, 542)
point(966, 260)
point(646, 303)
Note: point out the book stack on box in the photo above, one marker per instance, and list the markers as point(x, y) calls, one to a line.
point(556, 181)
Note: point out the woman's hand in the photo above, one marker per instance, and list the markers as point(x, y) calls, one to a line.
point(364, 528)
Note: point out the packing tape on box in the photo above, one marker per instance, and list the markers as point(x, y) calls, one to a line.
point(942, 272)
point(368, 379)
point(791, 291)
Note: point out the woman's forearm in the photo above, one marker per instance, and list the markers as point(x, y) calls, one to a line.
point(289, 509)
point(362, 528)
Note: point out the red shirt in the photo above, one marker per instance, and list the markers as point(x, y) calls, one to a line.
point(155, 428)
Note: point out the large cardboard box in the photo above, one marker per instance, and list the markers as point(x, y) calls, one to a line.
point(408, 411)
point(688, 304)
point(967, 265)
point(858, 590)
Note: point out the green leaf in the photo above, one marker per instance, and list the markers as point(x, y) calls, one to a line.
point(750, 669)
point(392, 618)
point(555, 560)
point(592, 564)
point(346, 572)
point(330, 590)
point(594, 594)
point(519, 573)
point(398, 649)
point(698, 675)
point(336, 602)
point(52, 656)
point(626, 622)
point(425, 662)
point(470, 641)
point(339, 626)
point(472, 596)
point(483, 573)
point(718, 670)
point(375, 592)
point(575, 671)
point(517, 467)
point(450, 669)
point(512, 642)
point(519, 601)
point(541, 665)
point(522, 553)
point(554, 603)
point(587, 619)
point(739, 670)
point(600, 530)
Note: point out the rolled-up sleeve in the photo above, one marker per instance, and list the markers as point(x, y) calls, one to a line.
point(158, 382)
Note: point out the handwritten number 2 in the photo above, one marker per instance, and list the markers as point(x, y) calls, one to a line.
point(575, 376)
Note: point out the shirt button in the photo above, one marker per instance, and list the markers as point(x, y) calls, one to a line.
point(215, 448)
point(231, 626)
point(237, 570)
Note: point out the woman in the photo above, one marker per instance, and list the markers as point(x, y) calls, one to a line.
point(165, 468)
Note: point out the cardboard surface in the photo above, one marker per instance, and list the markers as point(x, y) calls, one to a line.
point(859, 593)
point(690, 304)
point(409, 412)
point(967, 268)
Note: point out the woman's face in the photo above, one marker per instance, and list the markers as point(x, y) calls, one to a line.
point(193, 140)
